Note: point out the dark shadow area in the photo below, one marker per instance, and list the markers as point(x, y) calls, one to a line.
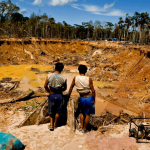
point(63, 118)
point(1, 42)
point(91, 127)
point(148, 54)
point(8, 43)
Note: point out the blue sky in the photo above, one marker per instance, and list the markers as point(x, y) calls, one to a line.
point(78, 11)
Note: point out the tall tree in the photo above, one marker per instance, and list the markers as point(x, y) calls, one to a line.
point(44, 21)
point(109, 26)
point(89, 26)
point(144, 19)
point(51, 22)
point(97, 33)
point(128, 24)
point(6, 9)
point(120, 26)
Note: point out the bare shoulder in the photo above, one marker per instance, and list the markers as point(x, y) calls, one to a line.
point(90, 79)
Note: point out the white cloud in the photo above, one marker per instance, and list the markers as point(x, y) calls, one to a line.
point(22, 10)
point(111, 13)
point(91, 8)
point(60, 2)
point(76, 6)
point(106, 10)
point(37, 2)
point(106, 6)
point(115, 12)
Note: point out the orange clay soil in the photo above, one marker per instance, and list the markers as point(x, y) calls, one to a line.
point(110, 67)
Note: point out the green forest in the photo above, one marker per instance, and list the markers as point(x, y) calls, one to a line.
point(14, 24)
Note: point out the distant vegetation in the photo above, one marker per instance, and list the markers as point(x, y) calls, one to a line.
point(13, 24)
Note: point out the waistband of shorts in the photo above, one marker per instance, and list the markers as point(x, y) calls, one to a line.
point(56, 94)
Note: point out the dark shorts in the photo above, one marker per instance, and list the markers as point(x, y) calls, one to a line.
point(86, 105)
point(54, 104)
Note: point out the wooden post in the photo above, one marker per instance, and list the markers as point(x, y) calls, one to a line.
point(71, 109)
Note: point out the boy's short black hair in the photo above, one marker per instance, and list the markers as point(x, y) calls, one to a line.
point(82, 69)
point(59, 67)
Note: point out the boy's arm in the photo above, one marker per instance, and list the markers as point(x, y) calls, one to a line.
point(71, 87)
point(92, 88)
point(45, 85)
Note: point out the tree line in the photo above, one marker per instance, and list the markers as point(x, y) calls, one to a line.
point(14, 24)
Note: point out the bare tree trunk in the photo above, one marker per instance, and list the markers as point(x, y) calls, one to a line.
point(125, 32)
point(148, 36)
point(51, 31)
point(133, 34)
point(37, 33)
point(68, 34)
point(140, 34)
point(46, 30)
point(31, 31)
point(43, 30)
point(120, 35)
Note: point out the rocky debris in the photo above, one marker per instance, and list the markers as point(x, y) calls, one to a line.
point(39, 71)
point(5, 79)
point(74, 71)
point(2, 119)
point(41, 89)
point(42, 54)
point(56, 59)
point(24, 95)
point(144, 102)
point(71, 61)
point(6, 84)
point(110, 87)
point(108, 118)
point(34, 69)
point(9, 93)
point(97, 52)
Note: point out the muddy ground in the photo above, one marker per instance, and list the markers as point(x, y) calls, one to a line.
point(121, 79)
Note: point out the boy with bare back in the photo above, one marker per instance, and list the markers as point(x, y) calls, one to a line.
point(84, 86)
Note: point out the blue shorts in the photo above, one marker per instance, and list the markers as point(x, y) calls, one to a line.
point(54, 104)
point(87, 105)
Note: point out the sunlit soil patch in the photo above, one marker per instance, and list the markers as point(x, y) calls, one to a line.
point(104, 84)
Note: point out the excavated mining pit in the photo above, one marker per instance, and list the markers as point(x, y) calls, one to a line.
point(120, 72)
